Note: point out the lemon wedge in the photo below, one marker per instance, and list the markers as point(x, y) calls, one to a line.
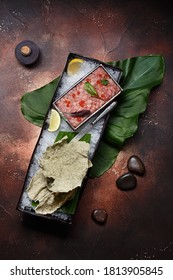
point(54, 121)
point(74, 66)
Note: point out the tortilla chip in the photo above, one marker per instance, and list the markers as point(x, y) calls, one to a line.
point(63, 167)
point(37, 184)
point(66, 166)
point(53, 202)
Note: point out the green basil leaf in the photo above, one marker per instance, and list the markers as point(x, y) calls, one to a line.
point(90, 89)
point(104, 82)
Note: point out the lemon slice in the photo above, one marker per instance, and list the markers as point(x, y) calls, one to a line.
point(55, 120)
point(74, 66)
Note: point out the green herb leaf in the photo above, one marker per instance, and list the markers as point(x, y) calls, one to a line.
point(70, 135)
point(35, 104)
point(104, 82)
point(90, 89)
point(34, 203)
point(103, 159)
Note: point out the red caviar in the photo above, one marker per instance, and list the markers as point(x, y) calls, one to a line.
point(103, 96)
point(79, 119)
point(67, 103)
point(82, 103)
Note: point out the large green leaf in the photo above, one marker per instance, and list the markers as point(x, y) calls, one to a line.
point(103, 159)
point(140, 75)
point(35, 104)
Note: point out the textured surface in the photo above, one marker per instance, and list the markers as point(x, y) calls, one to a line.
point(139, 223)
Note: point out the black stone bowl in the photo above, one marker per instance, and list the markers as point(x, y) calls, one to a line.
point(27, 59)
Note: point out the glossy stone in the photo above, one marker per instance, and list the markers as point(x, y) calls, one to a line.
point(99, 215)
point(136, 165)
point(126, 182)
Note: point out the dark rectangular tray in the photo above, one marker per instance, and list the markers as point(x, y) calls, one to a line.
point(47, 138)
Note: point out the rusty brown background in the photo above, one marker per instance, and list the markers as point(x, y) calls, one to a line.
point(140, 222)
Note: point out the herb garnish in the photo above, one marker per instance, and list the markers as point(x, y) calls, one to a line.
point(90, 89)
point(104, 82)
point(34, 203)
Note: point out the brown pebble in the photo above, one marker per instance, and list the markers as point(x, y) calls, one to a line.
point(99, 215)
point(136, 165)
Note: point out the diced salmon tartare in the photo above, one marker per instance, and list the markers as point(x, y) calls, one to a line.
point(89, 95)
